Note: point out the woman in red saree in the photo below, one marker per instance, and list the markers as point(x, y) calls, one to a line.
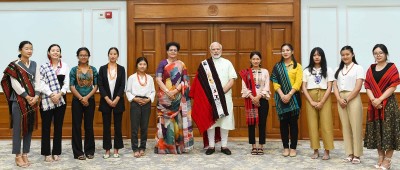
point(382, 131)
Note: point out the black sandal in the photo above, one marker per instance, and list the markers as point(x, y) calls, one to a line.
point(254, 151)
point(260, 151)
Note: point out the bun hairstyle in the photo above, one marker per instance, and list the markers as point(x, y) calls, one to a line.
point(113, 48)
point(51, 46)
point(253, 53)
point(21, 45)
point(292, 57)
point(140, 59)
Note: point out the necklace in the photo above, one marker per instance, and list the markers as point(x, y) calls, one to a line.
point(112, 74)
point(145, 80)
point(347, 70)
point(84, 79)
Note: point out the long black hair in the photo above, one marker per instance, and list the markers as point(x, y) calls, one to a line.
point(323, 63)
point(293, 59)
point(21, 45)
point(341, 65)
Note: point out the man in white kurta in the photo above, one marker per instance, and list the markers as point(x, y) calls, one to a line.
point(227, 75)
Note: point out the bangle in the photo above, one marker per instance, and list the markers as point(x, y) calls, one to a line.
point(81, 99)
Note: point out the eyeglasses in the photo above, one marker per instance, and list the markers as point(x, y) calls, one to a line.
point(379, 53)
point(83, 56)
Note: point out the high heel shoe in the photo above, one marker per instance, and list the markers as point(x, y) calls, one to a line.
point(379, 163)
point(20, 162)
point(386, 165)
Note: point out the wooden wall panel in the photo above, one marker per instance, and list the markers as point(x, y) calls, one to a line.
point(206, 10)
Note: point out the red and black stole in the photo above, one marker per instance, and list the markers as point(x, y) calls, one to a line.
point(251, 109)
point(208, 105)
point(389, 79)
point(28, 112)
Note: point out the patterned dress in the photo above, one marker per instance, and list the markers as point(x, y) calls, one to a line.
point(383, 125)
point(174, 120)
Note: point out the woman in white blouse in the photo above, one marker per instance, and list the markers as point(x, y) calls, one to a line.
point(317, 87)
point(255, 90)
point(347, 85)
point(140, 93)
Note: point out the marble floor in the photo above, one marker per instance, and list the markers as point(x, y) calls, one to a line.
point(196, 159)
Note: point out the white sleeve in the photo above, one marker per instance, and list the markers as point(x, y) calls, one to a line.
point(305, 75)
point(330, 75)
point(360, 72)
point(129, 92)
point(152, 89)
point(65, 87)
point(17, 87)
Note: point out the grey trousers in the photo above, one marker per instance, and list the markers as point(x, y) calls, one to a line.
point(140, 116)
point(16, 115)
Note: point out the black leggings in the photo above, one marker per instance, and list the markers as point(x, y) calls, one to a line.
point(262, 122)
point(289, 122)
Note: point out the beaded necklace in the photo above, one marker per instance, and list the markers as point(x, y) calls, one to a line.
point(347, 70)
point(145, 80)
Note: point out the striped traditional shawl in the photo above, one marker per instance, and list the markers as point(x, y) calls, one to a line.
point(28, 113)
point(251, 109)
point(281, 77)
point(49, 76)
point(389, 79)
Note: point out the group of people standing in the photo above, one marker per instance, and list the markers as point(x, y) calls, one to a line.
point(207, 102)
point(316, 82)
point(383, 123)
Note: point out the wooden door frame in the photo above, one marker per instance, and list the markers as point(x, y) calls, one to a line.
point(211, 11)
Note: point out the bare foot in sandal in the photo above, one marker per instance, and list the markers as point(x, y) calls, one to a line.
point(349, 158)
point(315, 155)
point(136, 154)
point(356, 160)
point(326, 155)
point(141, 152)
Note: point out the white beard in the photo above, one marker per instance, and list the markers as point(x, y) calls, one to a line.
point(216, 57)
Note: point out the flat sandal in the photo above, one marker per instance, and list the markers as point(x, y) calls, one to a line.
point(260, 151)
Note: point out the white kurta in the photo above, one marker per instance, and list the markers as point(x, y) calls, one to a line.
point(226, 71)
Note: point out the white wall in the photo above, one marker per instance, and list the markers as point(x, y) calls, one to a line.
point(359, 23)
point(69, 24)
